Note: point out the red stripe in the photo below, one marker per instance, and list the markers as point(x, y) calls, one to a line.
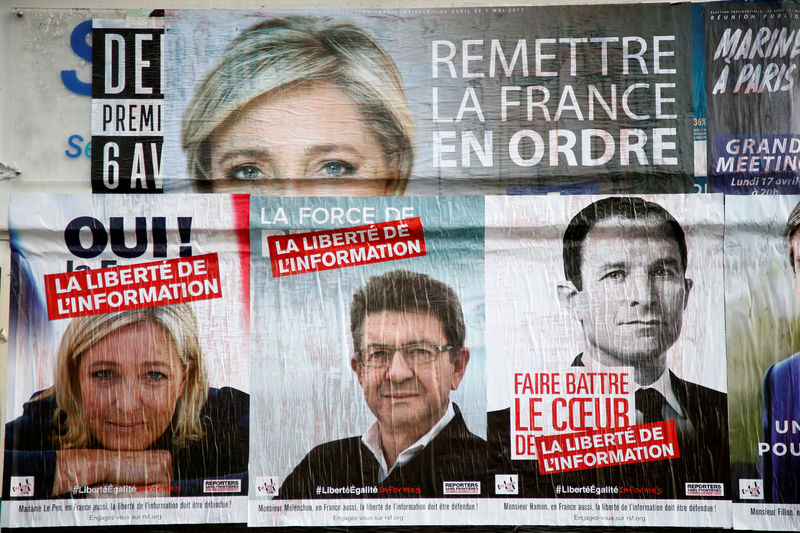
point(241, 210)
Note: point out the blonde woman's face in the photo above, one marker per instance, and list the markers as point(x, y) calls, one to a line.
point(310, 142)
point(130, 383)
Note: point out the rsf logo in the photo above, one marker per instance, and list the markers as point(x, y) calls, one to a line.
point(267, 486)
point(751, 489)
point(506, 484)
point(21, 486)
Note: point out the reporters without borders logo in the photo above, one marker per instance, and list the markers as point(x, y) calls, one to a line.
point(506, 484)
point(704, 489)
point(751, 489)
point(222, 485)
point(267, 486)
point(452, 488)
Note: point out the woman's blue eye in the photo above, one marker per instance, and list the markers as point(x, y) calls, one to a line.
point(245, 172)
point(335, 169)
point(103, 374)
point(156, 376)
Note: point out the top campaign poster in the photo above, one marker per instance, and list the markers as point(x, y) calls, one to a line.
point(367, 365)
point(606, 396)
point(127, 387)
point(752, 92)
point(477, 100)
point(762, 310)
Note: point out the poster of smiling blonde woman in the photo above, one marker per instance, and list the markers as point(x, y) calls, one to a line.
point(127, 385)
point(606, 395)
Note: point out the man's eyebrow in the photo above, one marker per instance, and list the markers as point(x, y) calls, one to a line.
point(612, 266)
point(256, 153)
point(413, 341)
point(668, 261)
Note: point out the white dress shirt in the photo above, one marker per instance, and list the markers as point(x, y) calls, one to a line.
point(372, 440)
point(673, 410)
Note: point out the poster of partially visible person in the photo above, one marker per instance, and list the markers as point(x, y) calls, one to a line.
point(368, 315)
point(609, 384)
point(299, 106)
point(127, 378)
point(752, 91)
point(430, 101)
point(762, 310)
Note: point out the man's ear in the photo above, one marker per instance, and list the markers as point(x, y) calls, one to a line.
point(688, 284)
point(460, 362)
point(356, 367)
point(570, 298)
point(794, 259)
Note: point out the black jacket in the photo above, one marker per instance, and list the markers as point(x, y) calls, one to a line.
point(343, 468)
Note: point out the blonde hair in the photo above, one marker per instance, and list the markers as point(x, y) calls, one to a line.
point(84, 332)
point(292, 52)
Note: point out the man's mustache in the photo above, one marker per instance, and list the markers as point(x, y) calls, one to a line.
point(409, 387)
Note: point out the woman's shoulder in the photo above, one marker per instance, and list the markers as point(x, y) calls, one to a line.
point(227, 401)
point(223, 450)
point(34, 425)
point(42, 404)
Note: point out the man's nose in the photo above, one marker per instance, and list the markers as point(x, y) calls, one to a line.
point(640, 290)
point(399, 369)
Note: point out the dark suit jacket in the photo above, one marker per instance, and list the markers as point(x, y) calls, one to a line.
point(455, 454)
point(781, 409)
point(704, 457)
